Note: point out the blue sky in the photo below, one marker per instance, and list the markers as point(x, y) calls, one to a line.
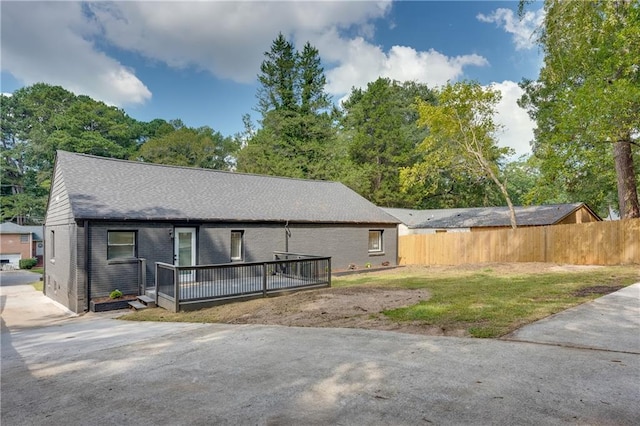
point(198, 61)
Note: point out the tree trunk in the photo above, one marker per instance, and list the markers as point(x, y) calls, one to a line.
point(503, 189)
point(626, 178)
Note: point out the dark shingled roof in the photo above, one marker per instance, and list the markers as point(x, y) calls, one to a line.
point(483, 216)
point(105, 188)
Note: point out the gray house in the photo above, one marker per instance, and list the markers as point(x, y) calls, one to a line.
point(109, 221)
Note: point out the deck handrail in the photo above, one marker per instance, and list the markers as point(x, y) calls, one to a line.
point(199, 285)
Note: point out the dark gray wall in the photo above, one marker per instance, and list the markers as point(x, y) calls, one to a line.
point(346, 244)
point(154, 244)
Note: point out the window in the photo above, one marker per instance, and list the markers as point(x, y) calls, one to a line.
point(375, 241)
point(24, 238)
point(121, 244)
point(236, 245)
point(52, 245)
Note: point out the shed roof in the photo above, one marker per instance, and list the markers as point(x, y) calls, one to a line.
point(105, 188)
point(12, 228)
point(485, 216)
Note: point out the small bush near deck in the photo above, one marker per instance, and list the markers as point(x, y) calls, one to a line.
point(115, 294)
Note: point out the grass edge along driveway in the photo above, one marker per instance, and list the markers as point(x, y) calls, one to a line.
point(487, 300)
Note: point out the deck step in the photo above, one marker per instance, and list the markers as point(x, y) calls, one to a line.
point(146, 300)
point(137, 305)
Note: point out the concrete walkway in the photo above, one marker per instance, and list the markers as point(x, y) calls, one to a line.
point(96, 370)
point(611, 323)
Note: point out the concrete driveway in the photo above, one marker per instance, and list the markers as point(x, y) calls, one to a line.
point(96, 370)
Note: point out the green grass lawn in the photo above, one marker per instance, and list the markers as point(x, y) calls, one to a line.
point(489, 303)
point(38, 285)
point(481, 300)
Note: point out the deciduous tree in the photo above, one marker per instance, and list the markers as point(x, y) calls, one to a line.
point(184, 146)
point(586, 101)
point(40, 119)
point(461, 139)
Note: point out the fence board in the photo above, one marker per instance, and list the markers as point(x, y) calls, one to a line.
point(594, 243)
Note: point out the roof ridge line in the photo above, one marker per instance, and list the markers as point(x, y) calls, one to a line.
point(173, 166)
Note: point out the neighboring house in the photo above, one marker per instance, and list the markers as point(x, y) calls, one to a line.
point(105, 215)
point(20, 242)
point(488, 218)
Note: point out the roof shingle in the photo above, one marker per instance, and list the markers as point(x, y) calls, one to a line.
point(483, 216)
point(105, 188)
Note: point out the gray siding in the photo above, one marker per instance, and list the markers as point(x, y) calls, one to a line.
point(59, 209)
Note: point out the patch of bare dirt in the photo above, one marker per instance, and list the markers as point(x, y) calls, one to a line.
point(350, 307)
point(362, 306)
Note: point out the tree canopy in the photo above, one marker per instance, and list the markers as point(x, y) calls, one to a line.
point(586, 103)
point(40, 119)
point(297, 136)
point(379, 124)
point(462, 139)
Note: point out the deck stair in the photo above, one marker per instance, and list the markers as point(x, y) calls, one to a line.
point(143, 302)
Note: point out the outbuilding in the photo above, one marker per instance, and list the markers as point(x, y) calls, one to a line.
point(489, 218)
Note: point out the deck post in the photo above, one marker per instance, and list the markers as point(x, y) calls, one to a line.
point(264, 280)
point(329, 271)
point(156, 282)
point(142, 276)
point(176, 289)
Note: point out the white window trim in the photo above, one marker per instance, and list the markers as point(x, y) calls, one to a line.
point(380, 250)
point(241, 257)
point(133, 245)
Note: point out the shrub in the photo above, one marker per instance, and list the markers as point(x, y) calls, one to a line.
point(27, 263)
point(115, 294)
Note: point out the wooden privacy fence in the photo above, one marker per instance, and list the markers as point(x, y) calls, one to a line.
point(596, 243)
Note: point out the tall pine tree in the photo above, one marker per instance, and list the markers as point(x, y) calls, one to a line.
point(297, 130)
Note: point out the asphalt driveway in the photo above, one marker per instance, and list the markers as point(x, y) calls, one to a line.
point(93, 369)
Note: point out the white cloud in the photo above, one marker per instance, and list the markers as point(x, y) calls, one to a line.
point(227, 39)
point(518, 126)
point(522, 29)
point(360, 62)
point(51, 42)
point(62, 43)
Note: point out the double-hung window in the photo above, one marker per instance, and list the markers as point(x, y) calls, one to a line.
point(236, 246)
point(121, 244)
point(375, 241)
